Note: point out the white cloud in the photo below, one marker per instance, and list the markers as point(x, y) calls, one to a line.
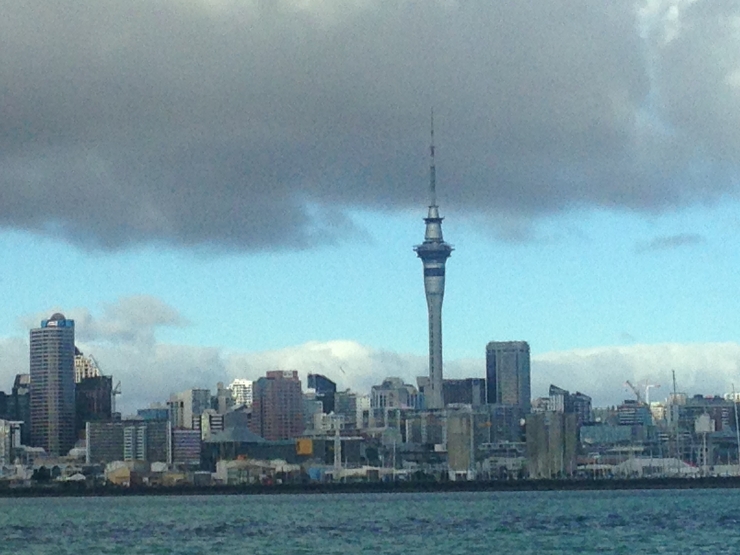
point(706, 368)
point(124, 341)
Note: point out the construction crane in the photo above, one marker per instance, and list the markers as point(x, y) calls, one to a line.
point(114, 392)
point(647, 386)
point(636, 391)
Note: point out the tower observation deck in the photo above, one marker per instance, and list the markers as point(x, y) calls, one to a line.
point(434, 253)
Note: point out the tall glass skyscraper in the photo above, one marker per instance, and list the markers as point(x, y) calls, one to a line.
point(52, 388)
point(508, 374)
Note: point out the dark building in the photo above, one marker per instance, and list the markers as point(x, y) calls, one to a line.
point(470, 391)
point(93, 401)
point(186, 446)
point(345, 404)
point(277, 407)
point(128, 440)
point(508, 374)
point(326, 391)
point(19, 405)
point(52, 385)
point(561, 400)
point(582, 408)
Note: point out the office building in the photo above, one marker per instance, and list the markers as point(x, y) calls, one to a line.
point(563, 401)
point(155, 412)
point(52, 385)
point(16, 407)
point(93, 401)
point(277, 407)
point(186, 447)
point(186, 407)
point(128, 440)
point(469, 391)
point(85, 366)
point(325, 390)
point(223, 402)
point(508, 374)
point(434, 253)
point(393, 393)
point(241, 390)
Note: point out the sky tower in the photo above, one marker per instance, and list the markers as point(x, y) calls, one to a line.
point(434, 253)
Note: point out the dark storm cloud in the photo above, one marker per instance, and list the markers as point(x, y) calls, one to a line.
point(254, 124)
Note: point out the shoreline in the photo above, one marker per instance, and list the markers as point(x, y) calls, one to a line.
point(376, 487)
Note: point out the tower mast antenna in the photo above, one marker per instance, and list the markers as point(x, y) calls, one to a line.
point(432, 168)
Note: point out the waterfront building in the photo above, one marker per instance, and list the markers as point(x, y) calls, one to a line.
point(552, 443)
point(128, 440)
point(186, 447)
point(10, 440)
point(508, 374)
point(460, 444)
point(52, 385)
point(434, 252)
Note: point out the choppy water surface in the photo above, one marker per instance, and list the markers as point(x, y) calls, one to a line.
point(629, 522)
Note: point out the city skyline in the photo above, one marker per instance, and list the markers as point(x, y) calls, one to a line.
point(242, 211)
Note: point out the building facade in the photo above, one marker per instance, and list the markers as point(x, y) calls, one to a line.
point(277, 407)
point(469, 391)
point(186, 407)
point(508, 374)
point(52, 385)
point(242, 390)
point(325, 389)
point(93, 401)
point(128, 440)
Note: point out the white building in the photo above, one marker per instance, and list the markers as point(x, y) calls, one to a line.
point(184, 407)
point(242, 391)
point(85, 367)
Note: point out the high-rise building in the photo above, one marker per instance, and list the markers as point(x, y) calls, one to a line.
point(242, 392)
point(224, 399)
point(434, 253)
point(52, 388)
point(277, 407)
point(93, 401)
point(85, 366)
point(186, 407)
point(325, 389)
point(508, 374)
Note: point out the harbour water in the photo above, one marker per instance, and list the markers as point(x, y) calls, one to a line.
point(563, 522)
